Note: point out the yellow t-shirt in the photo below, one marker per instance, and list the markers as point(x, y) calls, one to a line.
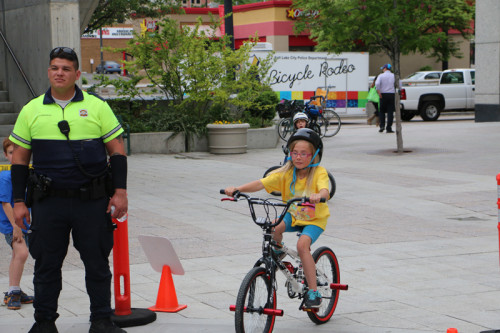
point(301, 215)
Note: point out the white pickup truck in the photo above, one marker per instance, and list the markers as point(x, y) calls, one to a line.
point(454, 91)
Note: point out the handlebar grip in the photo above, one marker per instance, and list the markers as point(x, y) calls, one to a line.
point(306, 199)
point(235, 193)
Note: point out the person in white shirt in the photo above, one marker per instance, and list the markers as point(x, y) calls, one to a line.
point(386, 89)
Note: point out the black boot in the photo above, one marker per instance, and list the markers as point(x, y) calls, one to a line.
point(44, 327)
point(104, 325)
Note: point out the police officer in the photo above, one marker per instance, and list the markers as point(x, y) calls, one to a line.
point(69, 134)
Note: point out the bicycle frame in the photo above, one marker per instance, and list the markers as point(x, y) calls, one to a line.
point(293, 277)
point(323, 99)
point(268, 259)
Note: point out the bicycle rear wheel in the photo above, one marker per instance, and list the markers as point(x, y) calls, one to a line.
point(256, 294)
point(333, 184)
point(327, 263)
point(268, 171)
point(332, 122)
point(285, 129)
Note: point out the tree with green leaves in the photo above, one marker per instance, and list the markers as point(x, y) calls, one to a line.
point(451, 15)
point(109, 12)
point(393, 27)
point(203, 79)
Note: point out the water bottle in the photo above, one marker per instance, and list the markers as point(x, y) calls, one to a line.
point(121, 219)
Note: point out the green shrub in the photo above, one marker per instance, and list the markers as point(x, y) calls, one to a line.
point(198, 75)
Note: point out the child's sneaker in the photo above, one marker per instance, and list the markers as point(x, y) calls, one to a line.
point(14, 300)
point(278, 252)
point(313, 299)
point(25, 299)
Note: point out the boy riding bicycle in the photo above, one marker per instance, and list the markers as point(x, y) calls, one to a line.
point(300, 176)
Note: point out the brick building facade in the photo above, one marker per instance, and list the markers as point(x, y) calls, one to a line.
point(273, 22)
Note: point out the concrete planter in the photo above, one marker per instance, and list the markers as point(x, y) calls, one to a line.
point(168, 143)
point(262, 138)
point(157, 143)
point(227, 138)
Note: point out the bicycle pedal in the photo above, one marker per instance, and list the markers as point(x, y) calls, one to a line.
point(310, 309)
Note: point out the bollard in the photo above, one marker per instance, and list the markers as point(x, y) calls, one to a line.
point(124, 315)
point(121, 269)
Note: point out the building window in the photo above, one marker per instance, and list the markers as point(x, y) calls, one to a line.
point(301, 48)
point(191, 2)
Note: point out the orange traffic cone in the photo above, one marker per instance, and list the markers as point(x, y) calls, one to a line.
point(451, 330)
point(166, 301)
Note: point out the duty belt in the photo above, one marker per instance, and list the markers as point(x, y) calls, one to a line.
point(69, 193)
point(90, 191)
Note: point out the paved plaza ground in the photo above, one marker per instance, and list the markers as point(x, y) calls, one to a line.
point(415, 233)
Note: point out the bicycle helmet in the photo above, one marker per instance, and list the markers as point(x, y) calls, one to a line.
point(300, 115)
point(309, 135)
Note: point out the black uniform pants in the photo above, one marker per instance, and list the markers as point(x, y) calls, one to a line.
point(53, 219)
point(387, 106)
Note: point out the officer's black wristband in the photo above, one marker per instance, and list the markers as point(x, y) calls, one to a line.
point(19, 176)
point(119, 171)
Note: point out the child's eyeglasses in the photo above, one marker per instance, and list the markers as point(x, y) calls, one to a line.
point(303, 155)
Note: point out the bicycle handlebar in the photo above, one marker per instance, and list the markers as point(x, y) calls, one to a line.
point(266, 202)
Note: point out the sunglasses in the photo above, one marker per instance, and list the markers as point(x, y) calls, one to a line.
point(62, 50)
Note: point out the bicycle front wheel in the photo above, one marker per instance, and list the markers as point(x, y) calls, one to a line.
point(327, 271)
point(332, 122)
point(285, 129)
point(256, 294)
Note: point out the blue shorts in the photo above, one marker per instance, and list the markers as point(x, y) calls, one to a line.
point(313, 231)
point(8, 238)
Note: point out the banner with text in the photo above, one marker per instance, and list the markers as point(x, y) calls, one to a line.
point(343, 77)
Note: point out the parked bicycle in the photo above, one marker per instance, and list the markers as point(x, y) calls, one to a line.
point(256, 303)
point(327, 120)
point(333, 184)
point(286, 110)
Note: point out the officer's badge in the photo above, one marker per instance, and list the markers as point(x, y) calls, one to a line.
point(84, 113)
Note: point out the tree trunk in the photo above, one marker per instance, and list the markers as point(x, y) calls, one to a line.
point(397, 55)
point(399, 129)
